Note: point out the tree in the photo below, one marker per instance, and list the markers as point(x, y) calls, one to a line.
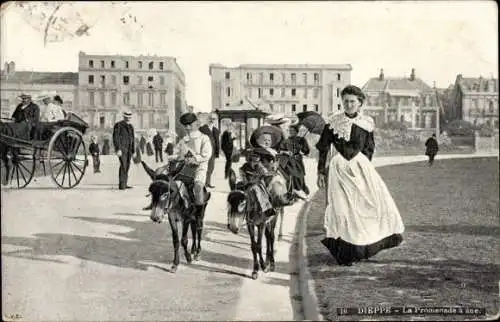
point(61, 20)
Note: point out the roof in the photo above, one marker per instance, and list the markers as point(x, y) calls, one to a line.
point(396, 86)
point(468, 84)
point(26, 77)
point(286, 66)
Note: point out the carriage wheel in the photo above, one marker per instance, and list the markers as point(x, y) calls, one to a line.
point(21, 164)
point(67, 157)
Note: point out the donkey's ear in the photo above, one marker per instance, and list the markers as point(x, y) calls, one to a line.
point(151, 173)
point(232, 179)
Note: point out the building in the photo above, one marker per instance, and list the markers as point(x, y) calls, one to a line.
point(153, 87)
point(14, 83)
point(287, 89)
point(474, 100)
point(408, 100)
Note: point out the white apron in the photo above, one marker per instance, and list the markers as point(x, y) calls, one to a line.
point(360, 209)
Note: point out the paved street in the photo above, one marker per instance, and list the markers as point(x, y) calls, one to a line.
point(91, 253)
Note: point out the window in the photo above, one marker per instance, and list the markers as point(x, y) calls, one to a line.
point(139, 80)
point(140, 99)
point(260, 92)
point(162, 80)
point(102, 121)
point(139, 64)
point(249, 78)
point(249, 92)
point(271, 107)
point(103, 80)
point(261, 78)
point(294, 78)
point(126, 80)
point(293, 108)
point(102, 64)
point(305, 92)
point(113, 99)
point(163, 100)
point(338, 76)
point(282, 108)
point(316, 78)
point(338, 107)
point(113, 64)
point(316, 92)
point(294, 91)
point(304, 78)
point(161, 65)
point(113, 79)
point(316, 107)
point(283, 77)
point(151, 99)
point(228, 75)
point(271, 91)
point(91, 63)
point(92, 99)
point(228, 91)
point(304, 108)
point(102, 99)
point(151, 65)
point(150, 78)
point(126, 64)
point(271, 77)
point(126, 98)
point(283, 92)
point(491, 106)
point(91, 79)
point(338, 92)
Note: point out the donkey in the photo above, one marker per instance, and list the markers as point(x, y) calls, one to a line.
point(167, 198)
point(243, 206)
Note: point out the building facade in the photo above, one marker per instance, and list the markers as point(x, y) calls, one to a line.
point(287, 89)
point(474, 100)
point(408, 100)
point(152, 87)
point(15, 83)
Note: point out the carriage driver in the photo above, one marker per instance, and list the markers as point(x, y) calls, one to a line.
point(194, 148)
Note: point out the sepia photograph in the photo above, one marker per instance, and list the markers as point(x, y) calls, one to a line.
point(249, 161)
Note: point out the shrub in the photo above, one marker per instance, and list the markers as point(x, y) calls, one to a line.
point(460, 128)
point(394, 125)
point(485, 131)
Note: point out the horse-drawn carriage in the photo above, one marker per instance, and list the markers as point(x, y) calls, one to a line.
point(59, 146)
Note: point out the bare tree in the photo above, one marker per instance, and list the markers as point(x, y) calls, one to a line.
point(61, 20)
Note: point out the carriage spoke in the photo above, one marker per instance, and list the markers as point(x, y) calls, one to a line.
point(81, 171)
point(72, 172)
point(22, 165)
point(12, 174)
point(69, 176)
point(22, 173)
point(64, 151)
point(57, 164)
point(64, 173)
point(57, 175)
point(17, 176)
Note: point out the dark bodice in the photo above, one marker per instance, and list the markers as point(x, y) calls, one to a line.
point(296, 145)
point(360, 140)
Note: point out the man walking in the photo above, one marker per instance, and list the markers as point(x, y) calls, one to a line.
point(94, 151)
point(158, 144)
point(227, 146)
point(124, 141)
point(432, 148)
point(213, 133)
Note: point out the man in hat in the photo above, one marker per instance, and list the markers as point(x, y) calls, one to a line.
point(94, 151)
point(212, 132)
point(26, 113)
point(158, 145)
point(277, 120)
point(124, 144)
point(432, 148)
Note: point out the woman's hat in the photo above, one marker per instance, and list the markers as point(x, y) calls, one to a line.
point(276, 135)
point(188, 118)
point(45, 95)
point(127, 114)
point(265, 153)
point(276, 119)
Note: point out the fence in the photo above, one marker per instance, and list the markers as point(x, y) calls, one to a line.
point(486, 144)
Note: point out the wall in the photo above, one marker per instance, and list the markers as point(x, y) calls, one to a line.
point(486, 144)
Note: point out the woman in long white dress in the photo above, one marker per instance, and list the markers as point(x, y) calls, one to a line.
point(361, 218)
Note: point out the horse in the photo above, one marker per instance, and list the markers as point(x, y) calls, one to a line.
point(167, 197)
point(242, 207)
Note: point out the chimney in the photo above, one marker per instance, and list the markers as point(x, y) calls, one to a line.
point(381, 76)
point(12, 67)
point(412, 76)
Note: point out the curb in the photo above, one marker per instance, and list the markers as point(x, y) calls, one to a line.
point(302, 283)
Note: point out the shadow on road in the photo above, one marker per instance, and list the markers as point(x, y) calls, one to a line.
point(457, 229)
point(147, 242)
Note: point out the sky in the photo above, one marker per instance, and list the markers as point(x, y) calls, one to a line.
point(440, 39)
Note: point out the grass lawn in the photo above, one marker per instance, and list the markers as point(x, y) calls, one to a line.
point(451, 252)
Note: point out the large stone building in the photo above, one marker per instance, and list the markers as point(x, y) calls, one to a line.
point(408, 100)
point(152, 87)
point(13, 83)
point(288, 89)
point(474, 100)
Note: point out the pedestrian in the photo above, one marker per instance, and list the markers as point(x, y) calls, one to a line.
point(431, 148)
point(227, 147)
point(158, 144)
point(361, 218)
point(94, 152)
point(138, 158)
point(105, 147)
point(142, 143)
point(295, 146)
point(212, 132)
point(149, 149)
point(26, 117)
point(169, 138)
point(123, 141)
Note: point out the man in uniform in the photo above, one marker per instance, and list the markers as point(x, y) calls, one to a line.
point(124, 144)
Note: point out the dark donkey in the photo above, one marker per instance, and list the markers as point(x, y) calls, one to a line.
point(243, 206)
point(167, 198)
